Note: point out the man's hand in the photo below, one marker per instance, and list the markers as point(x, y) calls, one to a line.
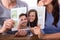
point(8, 24)
point(21, 33)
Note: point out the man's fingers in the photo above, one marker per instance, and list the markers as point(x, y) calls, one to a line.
point(8, 24)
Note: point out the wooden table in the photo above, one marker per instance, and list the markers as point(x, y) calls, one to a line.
point(12, 37)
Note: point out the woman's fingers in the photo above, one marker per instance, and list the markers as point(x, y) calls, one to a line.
point(36, 30)
point(41, 3)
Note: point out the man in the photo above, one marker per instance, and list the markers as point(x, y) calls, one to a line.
point(22, 25)
point(8, 24)
point(5, 6)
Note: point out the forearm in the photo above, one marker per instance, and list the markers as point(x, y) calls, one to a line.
point(1, 31)
point(40, 35)
point(51, 36)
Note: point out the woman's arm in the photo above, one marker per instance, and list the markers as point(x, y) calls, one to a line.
point(46, 36)
point(51, 36)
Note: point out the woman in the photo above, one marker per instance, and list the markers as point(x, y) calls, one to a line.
point(52, 19)
point(33, 18)
point(59, 2)
point(52, 15)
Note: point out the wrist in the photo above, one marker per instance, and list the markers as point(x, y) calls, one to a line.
point(40, 35)
point(1, 31)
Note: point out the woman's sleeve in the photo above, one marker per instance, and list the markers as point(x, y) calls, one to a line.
point(42, 31)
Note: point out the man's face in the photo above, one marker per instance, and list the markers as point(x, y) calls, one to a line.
point(46, 2)
point(6, 3)
point(23, 21)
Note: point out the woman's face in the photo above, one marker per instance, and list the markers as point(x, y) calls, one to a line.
point(46, 2)
point(59, 2)
point(32, 16)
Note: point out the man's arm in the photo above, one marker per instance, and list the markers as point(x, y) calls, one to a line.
point(1, 30)
point(8, 24)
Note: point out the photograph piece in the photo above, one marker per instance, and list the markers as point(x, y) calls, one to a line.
point(36, 16)
point(15, 12)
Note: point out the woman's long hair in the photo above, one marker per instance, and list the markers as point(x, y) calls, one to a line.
point(34, 23)
point(55, 11)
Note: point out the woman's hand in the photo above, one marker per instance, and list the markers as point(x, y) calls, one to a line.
point(36, 30)
point(40, 3)
point(8, 24)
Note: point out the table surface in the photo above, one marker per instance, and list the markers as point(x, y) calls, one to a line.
point(12, 37)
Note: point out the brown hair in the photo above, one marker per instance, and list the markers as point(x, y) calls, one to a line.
point(34, 23)
point(55, 11)
point(22, 14)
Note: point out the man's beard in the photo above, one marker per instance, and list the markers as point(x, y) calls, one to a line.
point(12, 2)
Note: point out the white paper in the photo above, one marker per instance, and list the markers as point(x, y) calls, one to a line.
point(41, 15)
point(15, 12)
